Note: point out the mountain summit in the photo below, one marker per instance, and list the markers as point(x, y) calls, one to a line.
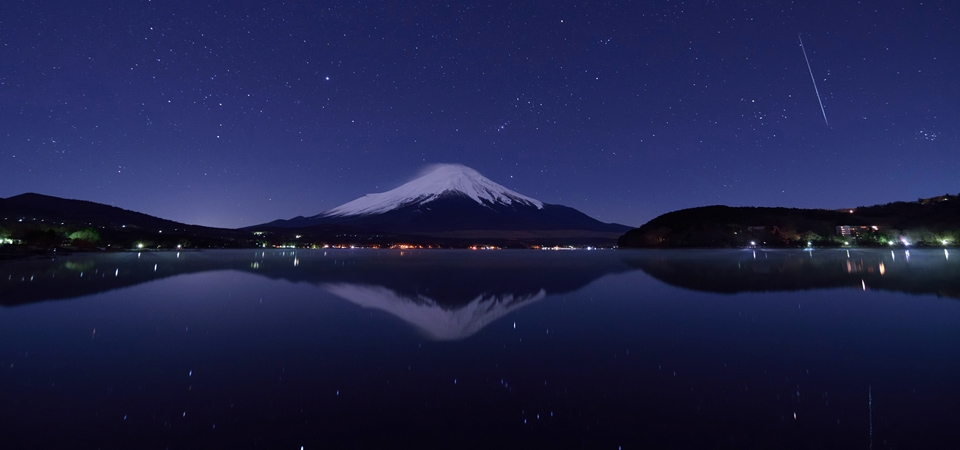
point(456, 204)
point(439, 180)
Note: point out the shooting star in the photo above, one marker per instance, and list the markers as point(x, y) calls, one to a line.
point(814, 80)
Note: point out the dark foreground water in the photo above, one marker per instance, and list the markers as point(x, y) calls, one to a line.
point(500, 349)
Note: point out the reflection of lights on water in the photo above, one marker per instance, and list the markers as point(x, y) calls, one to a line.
point(754, 254)
point(946, 253)
point(906, 254)
point(155, 267)
point(864, 284)
point(883, 269)
point(848, 251)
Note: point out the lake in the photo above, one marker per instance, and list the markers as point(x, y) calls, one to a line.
point(281, 349)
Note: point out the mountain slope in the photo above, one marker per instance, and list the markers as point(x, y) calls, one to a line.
point(455, 201)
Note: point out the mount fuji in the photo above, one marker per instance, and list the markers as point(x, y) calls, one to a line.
point(455, 202)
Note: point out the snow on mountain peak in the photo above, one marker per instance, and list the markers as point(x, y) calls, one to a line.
point(438, 180)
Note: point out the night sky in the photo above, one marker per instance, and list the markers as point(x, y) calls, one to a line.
point(237, 113)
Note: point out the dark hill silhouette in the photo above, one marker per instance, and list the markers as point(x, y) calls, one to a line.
point(925, 222)
point(32, 207)
point(44, 222)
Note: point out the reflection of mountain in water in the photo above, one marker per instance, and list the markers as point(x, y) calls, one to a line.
point(453, 294)
point(450, 294)
point(445, 294)
point(926, 271)
point(59, 278)
point(431, 318)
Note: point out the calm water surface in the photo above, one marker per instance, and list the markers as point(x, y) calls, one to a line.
point(502, 349)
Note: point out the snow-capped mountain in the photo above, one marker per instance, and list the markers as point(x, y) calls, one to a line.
point(440, 180)
point(455, 202)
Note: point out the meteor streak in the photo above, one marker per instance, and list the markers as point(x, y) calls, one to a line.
point(814, 80)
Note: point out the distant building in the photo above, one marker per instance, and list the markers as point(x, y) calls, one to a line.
point(771, 228)
point(856, 230)
point(938, 199)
